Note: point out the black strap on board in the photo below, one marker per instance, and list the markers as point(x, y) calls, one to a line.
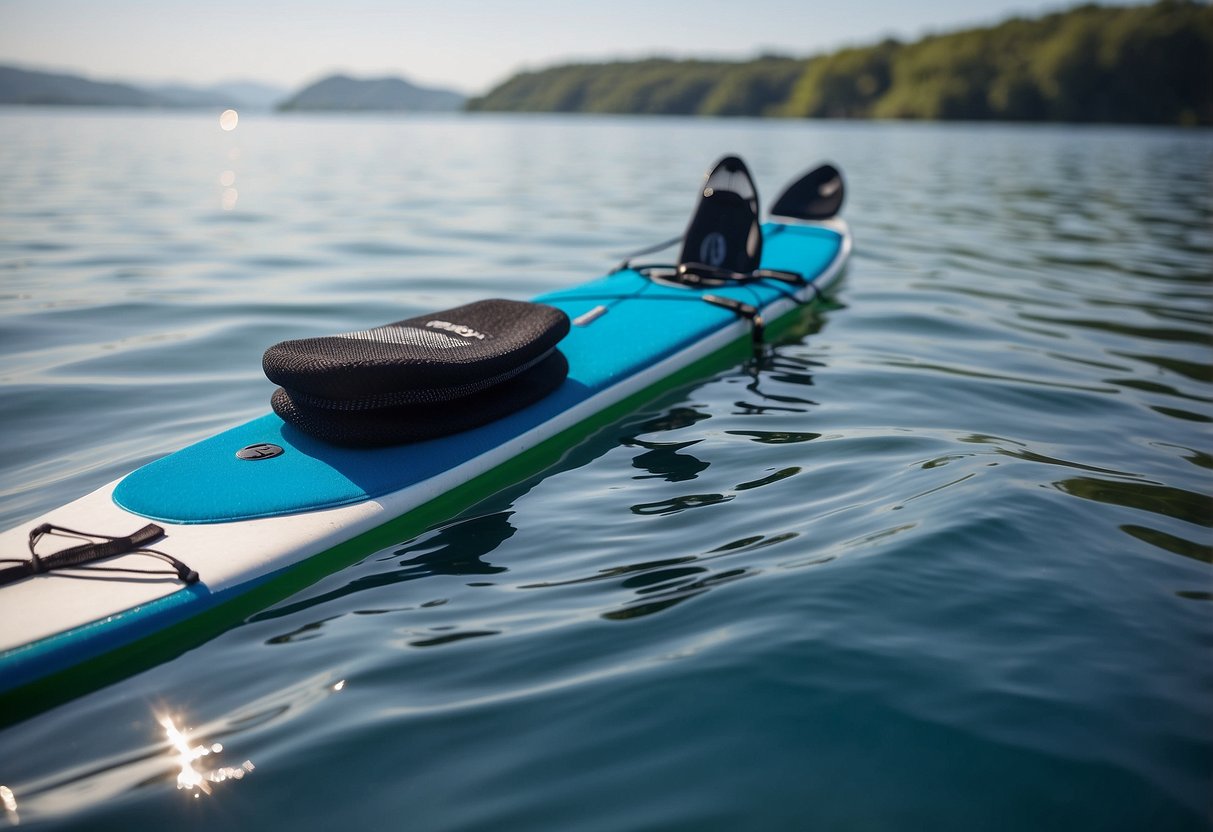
point(94, 548)
point(744, 310)
point(702, 275)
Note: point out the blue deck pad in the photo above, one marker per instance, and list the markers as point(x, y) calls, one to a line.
point(206, 483)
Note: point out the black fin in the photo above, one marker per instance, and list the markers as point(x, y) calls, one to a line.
point(724, 232)
point(815, 196)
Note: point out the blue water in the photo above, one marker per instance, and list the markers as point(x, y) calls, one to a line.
point(943, 560)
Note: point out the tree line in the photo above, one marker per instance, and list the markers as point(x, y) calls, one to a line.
point(1139, 64)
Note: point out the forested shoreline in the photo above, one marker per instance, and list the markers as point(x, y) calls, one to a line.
point(1138, 64)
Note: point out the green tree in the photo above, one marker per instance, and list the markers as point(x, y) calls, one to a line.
point(1149, 64)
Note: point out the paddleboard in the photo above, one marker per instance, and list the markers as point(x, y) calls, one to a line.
point(262, 510)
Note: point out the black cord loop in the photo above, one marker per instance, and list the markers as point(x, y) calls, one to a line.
point(91, 550)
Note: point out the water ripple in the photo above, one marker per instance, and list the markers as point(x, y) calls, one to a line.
point(942, 554)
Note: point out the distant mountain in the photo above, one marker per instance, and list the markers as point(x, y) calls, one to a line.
point(22, 86)
point(340, 92)
point(27, 86)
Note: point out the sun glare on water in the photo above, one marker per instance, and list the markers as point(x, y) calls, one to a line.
point(227, 122)
point(192, 776)
point(10, 805)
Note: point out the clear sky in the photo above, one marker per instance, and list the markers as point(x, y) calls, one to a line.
point(464, 44)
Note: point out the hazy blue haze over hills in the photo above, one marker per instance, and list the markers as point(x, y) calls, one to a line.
point(251, 95)
point(337, 92)
point(340, 92)
point(26, 86)
point(254, 93)
point(20, 86)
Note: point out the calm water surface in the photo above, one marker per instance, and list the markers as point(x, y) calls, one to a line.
point(941, 561)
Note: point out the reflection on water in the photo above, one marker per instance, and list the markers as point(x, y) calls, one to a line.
point(194, 776)
point(665, 462)
point(453, 549)
point(771, 437)
point(662, 459)
point(10, 805)
point(676, 504)
point(671, 593)
point(1159, 499)
point(458, 548)
point(1020, 451)
point(781, 474)
point(1171, 543)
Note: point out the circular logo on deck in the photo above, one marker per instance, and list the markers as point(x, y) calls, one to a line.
point(713, 249)
point(261, 450)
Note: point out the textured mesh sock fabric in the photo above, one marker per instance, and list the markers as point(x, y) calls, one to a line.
point(414, 422)
point(432, 358)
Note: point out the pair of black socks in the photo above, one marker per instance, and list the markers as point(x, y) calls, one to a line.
point(422, 377)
